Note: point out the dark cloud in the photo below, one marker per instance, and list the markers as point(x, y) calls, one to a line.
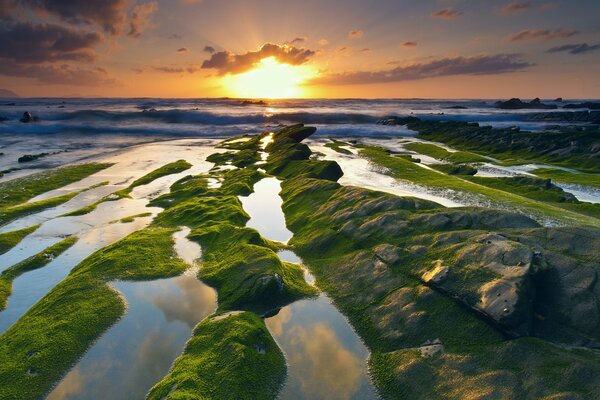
point(7, 7)
point(178, 70)
point(356, 34)
point(298, 40)
point(515, 7)
point(365, 49)
point(182, 50)
point(577, 48)
point(108, 14)
point(409, 45)
point(174, 36)
point(446, 13)
point(139, 19)
point(228, 63)
point(23, 42)
point(209, 49)
point(542, 34)
point(476, 65)
point(57, 74)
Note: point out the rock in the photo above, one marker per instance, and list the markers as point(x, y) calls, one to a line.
point(254, 103)
point(588, 104)
point(27, 117)
point(558, 99)
point(437, 275)
point(517, 104)
point(397, 120)
point(431, 349)
point(2, 119)
point(388, 253)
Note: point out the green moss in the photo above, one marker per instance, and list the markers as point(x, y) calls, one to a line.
point(454, 169)
point(338, 146)
point(20, 190)
point(533, 188)
point(229, 356)
point(32, 263)
point(567, 147)
point(405, 170)
point(12, 213)
point(167, 169)
point(131, 218)
point(440, 153)
point(9, 240)
point(47, 340)
point(559, 175)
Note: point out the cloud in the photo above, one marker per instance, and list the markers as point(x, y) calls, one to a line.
point(178, 70)
point(182, 50)
point(356, 34)
point(299, 39)
point(7, 7)
point(140, 16)
point(578, 48)
point(542, 34)
point(23, 42)
point(226, 62)
point(364, 49)
point(323, 42)
point(409, 45)
point(515, 7)
point(57, 74)
point(446, 13)
point(108, 14)
point(209, 49)
point(191, 2)
point(476, 65)
point(174, 36)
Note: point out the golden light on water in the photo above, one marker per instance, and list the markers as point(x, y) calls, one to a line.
point(270, 79)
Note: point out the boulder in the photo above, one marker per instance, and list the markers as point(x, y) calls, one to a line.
point(27, 117)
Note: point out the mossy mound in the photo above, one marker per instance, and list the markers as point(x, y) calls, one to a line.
point(230, 356)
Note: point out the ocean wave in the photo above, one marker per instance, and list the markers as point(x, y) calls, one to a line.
point(209, 118)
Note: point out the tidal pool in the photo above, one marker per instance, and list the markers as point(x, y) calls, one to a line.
point(139, 350)
point(264, 208)
point(33, 285)
point(326, 358)
point(360, 172)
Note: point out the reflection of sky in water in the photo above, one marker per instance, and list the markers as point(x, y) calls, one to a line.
point(326, 359)
point(139, 350)
point(264, 208)
point(33, 285)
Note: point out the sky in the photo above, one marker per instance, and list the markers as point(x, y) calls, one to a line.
point(309, 48)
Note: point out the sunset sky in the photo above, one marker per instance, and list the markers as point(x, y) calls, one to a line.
point(309, 48)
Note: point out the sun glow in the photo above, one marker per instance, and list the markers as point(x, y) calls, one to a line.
point(270, 79)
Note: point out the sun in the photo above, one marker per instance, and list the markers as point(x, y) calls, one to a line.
point(270, 80)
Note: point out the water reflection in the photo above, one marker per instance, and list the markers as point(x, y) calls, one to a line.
point(264, 208)
point(32, 286)
point(326, 359)
point(139, 350)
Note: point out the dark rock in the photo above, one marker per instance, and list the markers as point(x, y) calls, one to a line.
point(397, 120)
point(27, 117)
point(558, 99)
point(31, 157)
point(2, 119)
point(588, 104)
point(517, 104)
point(457, 108)
point(254, 103)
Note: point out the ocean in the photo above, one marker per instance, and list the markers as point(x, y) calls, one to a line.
point(74, 129)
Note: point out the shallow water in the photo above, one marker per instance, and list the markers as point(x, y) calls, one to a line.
point(326, 358)
point(264, 208)
point(139, 350)
point(32, 286)
point(360, 172)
